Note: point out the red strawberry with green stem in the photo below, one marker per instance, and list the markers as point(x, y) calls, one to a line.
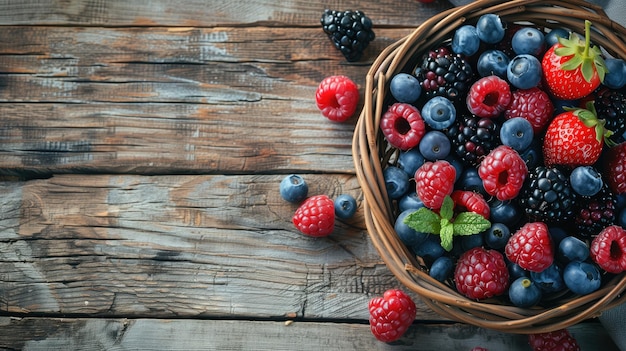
point(572, 68)
point(575, 138)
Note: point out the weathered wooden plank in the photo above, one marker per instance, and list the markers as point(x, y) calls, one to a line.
point(203, 13)
point(180, 246)
point(31, 334)
point(269, 136)
point(170, 101)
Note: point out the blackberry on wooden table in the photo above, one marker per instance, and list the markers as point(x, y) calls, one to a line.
point(350, 31)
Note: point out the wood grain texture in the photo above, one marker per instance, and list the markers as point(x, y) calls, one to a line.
point(181, 246)
point(32, 334)
point(205, 13)
point(224, 100)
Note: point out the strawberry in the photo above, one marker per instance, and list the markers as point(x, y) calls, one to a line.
point(574, 138)
point(572, 68)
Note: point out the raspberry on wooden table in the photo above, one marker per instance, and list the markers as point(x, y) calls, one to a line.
point(391, 315)
point(559, 340)
point(337, 97)
point(315, 216)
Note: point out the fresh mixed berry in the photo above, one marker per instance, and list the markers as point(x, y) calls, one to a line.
point(350, 31)
point(391, 315)
point(514, 162)
point(337, 98)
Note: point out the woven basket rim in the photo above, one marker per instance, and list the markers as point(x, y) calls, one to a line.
point(370, 153)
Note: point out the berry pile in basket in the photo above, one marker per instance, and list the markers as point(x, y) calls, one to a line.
point(509, 161)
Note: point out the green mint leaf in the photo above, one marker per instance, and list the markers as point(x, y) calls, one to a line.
point(447, 208)
point(446, 236)
point(469, 223)
point(424, 220)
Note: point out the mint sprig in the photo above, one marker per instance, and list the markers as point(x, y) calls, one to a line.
point(425, 220)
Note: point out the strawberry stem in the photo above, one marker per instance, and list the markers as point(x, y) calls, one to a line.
point(587, 39)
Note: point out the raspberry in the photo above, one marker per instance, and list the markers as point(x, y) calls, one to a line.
point(608, 249)
point(350, 31)
point(337, 97)
point(403, 126)
point(434, 181)
point(481, 274)
point(559, 340)
point(503, 172)
point(391, 315)
point(465, 200)
point(315, 216)
point(532, 104)
point(615, 168)
point(489, 96)
point(531, 247)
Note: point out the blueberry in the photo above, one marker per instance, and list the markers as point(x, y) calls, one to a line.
point(470, 180)
point(492, 62)
point(497, 236)
point(439, 113)
point(516, 271)
point(471, 241)
point(557, 234)
point(465, 40)
point(550, 279)
point(561, 105)
point(586, 180)
point(434, 145)
point(581, 277)
point(293, 188)
point(345, 206)
point(532, 155)
point(524, 71)
point(409, 201)
point(517, 133)
point(396, 182)
point(410, 160)
point(490, 28)
point(553, 36)
point(458, 165)
point(572, 249)
point(430, 249)
point(442, 268)
point(524, 293)
point(615, 78)
point(405, 88)
point(505, 212)
point(408, 235)
point(528, 40)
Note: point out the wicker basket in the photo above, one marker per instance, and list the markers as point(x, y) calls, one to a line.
point(371, 154)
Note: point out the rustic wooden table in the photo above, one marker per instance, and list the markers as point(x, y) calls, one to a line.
point(141, 148)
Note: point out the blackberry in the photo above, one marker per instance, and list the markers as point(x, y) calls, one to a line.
point(595, 213)
point(444, 73)
point(611, 106)
point(350, 31)
point(473, 137)
point(547, 195)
